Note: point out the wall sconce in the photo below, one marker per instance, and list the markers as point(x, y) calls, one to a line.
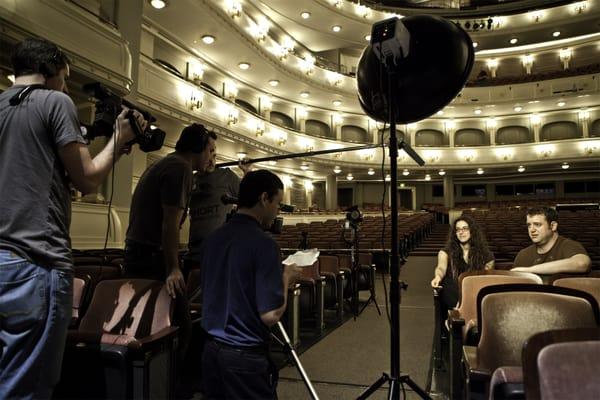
point(304, 166)
point(432, 156)
point(337, 3)
point(367, 154)
point(441, 172)
point(584, 114)
point(491, 123)
point(279, 51)
point(527, 61)
point(259, 29)
point(544, 151)
point(337, 169)
point(195, 100)
point(334, 78)
point(427, 177)
point(230, 90)
point(565, 56)
point(492, 65)
point(234, 9)
point(194, 71)
point(536, 15)
point(337, 155)
point(579, 7)
point(590, 148)
point(232, 116)
point(535, 119)
point(307, 64)
point(467, 155)
point(282, 139)
point(337, 118)
point(371, 172)
point(265, 103)
point(504, 154)
point(260, 128)
point(362, 10)
point(288, 44)
point(241, 155)
point(349, 177)
point(405, 172)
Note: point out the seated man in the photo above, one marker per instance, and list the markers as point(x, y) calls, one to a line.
point(550, 253)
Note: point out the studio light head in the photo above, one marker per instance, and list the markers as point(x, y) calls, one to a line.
point(354, 216)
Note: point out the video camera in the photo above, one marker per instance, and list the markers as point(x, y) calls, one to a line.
point(277, 225)
point(108, 107)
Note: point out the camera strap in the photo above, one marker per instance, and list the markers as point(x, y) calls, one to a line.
point(23, 93)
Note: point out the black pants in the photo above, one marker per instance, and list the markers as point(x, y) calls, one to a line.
point(147, 262)
point(234, 373)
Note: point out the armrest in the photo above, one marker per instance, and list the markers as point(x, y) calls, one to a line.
point(472, 364)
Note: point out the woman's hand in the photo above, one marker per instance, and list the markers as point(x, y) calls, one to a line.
point(435, 282)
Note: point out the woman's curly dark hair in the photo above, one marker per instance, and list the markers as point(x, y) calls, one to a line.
point(479, 253)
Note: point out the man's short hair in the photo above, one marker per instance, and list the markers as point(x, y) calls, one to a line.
point(38, 56)
point(549, 212)
point(256, 183)
point(194, 138)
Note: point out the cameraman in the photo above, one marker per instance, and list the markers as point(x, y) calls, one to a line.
point(244, 293)
point(156, 214)
point(41, 152)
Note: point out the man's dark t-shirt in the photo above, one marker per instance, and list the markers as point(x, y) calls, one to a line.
point(167, 182)
point(242, 277)
point(562, 249)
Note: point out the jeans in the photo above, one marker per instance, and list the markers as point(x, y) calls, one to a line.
point(35, 311)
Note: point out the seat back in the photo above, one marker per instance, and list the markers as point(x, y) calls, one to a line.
point(586, 284)
point(329, 265)
point(508, 315)
point(473, 283)
point(135, 308)
point(81, 284)
point(562, 364)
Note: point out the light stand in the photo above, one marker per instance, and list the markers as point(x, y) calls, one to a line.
point(395, 378)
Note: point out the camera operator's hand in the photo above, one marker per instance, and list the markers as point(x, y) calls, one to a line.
point(175, 283)
point(124, 132)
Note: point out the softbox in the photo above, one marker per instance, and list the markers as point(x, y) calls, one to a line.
point(431, 74)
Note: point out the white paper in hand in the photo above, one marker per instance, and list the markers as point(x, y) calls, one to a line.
point(303, 258)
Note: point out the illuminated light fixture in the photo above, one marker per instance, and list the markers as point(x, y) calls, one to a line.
point(504, 154)
point(234, 8)
point(337, 3)
point(561, 103)
point(307, 64)
point(388, 177)
point(427, 177)
point(337, 169)
point(477, 111)
point(475, 44)
point(565, 56)
point(584, 114)
point(441, 172)
point(527, 61)
point(513, 41)
point(244, 65)
point(334, 78)
point(533, 101)
point(195, 100)
point(480, 171)
point(432, 155)
point(308, 185)
point(260, 128)
point(363, 11)
point(371, 171)
point(492, 65)
point(208, 39)
point(337, 103)
point(304, 94)
point(158, 4)
point(491, 123)
point(368, 38)
point(449, 124)
point(231, 90)
point(589, 148)
point(337, 118)
point(518, 108)
point(282, 139)
point(521, 168)
point(265, 103)
point(536, 15)
point(441, 112)
point(288, 44)
point(232, 117)
point(259, 29)
point(467, 155)
point(405, 172)
point(349, 177)
point(565, 165)
point(304, 166)
point(544, 150)
point(273, 162)
point(302, 112)
point(279, 51)
point(336, 28)
point(556, 33)
point(241, 155)
point(535, 119)
point(305, 15)
point(579, 7)
point(273, 82)
point(401, 185)
point(194, 71)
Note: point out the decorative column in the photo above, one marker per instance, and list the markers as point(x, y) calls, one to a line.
point(331, 192)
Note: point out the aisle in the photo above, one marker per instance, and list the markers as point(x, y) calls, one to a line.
point(347, 361)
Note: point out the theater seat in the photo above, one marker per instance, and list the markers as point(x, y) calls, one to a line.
point(590, 285)
point(507, 315)
point(562, 364)
point(81, 285)
point(124, 347)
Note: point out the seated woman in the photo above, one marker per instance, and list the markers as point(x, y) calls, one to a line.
point(466, 250)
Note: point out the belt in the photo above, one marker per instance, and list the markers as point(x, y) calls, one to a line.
point(143, 248)
point(259, 349)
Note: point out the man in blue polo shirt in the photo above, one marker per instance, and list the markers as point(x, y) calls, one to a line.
point(244, 293)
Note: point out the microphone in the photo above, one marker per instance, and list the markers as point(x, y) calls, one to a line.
point(227, 199)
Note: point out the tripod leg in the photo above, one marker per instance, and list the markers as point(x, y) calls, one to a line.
point(371, 389)
point(411, 384)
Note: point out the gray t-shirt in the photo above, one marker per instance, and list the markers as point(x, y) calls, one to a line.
point(166, 182)
point(207, 211)
point(35, 202)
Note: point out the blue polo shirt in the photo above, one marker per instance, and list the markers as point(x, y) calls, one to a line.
point(241, 279)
